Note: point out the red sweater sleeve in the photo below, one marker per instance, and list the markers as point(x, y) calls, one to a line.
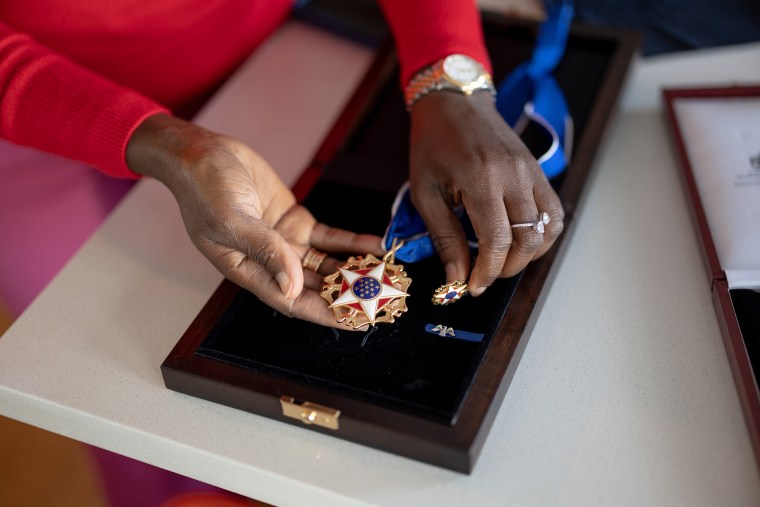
point(427, 30)
point(50, 103)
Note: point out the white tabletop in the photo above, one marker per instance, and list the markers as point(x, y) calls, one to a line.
point(623, 396)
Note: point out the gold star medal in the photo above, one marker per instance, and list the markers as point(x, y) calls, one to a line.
point(367, 290)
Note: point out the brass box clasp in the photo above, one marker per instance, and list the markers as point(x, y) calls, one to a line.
point(310, 413)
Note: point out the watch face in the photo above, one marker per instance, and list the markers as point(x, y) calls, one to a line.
point(462, 68)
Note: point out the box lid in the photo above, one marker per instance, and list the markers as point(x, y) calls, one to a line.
point(736, 308)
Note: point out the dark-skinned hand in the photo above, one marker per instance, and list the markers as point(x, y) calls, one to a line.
point(241, 216)
point(462, 152)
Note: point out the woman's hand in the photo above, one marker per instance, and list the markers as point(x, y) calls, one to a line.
point(241, 216)
point(462, 152)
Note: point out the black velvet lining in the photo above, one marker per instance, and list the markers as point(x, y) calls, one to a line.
point(747, 308)
point(398, 366)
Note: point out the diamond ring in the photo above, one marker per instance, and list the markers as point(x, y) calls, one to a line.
point(543, 219)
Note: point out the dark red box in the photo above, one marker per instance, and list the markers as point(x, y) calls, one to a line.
point(227, 355)
point(737, 310)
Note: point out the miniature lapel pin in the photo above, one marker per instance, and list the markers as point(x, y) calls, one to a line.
point(450, 293)
point(450, 332)
point(443, 330)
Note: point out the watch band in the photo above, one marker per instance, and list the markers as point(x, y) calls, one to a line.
point(432, 78)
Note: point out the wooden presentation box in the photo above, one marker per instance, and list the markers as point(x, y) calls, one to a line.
point(397, 387)
point(737, 309)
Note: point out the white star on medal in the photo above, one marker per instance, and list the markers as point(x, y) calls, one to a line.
point(371, 307)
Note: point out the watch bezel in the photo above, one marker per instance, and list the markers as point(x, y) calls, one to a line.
point(465, 86)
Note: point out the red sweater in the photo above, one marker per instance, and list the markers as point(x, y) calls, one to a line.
point(76, 78)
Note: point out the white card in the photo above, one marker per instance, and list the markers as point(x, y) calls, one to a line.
point(722, 138)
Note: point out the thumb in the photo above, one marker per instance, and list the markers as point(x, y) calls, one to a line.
point(265, 248)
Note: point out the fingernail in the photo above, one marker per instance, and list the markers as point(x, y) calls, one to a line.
point(283, 280)
point(478, 291)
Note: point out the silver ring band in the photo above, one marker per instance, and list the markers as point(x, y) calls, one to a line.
point(538, 226)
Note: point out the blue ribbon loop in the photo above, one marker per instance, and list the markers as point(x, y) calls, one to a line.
point(529, 93)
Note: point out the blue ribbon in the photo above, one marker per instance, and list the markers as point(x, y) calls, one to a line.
point(529, 93)
point(407, 224)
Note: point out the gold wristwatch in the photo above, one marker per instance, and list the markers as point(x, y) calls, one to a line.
point(458, 73)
